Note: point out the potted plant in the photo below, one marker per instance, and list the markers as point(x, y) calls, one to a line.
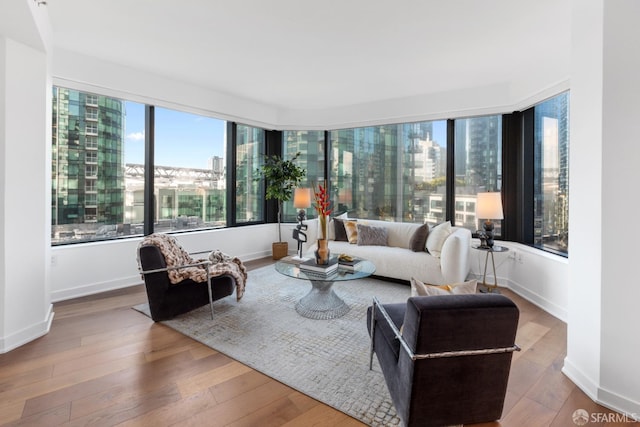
point(281, 177)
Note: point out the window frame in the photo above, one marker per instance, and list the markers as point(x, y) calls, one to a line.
point(516, 182)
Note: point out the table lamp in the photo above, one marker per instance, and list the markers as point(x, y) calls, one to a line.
point(301, 200)
point(488, 207)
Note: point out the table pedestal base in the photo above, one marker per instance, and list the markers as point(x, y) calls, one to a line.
point(321, 302)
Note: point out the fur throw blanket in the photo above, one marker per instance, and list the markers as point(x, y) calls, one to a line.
point(174, 255)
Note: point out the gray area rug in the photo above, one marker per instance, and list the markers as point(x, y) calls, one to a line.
point(327, 360)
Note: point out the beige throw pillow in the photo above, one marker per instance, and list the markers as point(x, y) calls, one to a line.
point(419, 288)
point(351, 227)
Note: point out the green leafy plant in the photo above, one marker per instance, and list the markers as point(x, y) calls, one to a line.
point(281, 177)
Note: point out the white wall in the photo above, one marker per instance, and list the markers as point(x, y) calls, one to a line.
point(25, 204)
point(603, 342)
point(538, 276)
point(84, 269)
point(620, 341)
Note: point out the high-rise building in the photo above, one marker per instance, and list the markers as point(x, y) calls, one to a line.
point(88, 162)
point(551, 186)
point(478, 158)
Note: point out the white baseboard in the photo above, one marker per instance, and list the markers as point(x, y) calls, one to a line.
point(27, 334)
point(123, 282)
point(548, 306)
point(95, 288)
point(621, 404)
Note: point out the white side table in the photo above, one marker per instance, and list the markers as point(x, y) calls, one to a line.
point(489, 252)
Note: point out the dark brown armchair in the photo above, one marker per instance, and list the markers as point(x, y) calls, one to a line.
point(167, 299)
point(451, 363)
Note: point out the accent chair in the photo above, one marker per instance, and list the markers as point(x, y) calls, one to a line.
point(450, 364)
point(167, 299)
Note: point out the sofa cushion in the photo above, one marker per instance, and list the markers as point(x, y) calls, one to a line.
point(339, 230)
point(418, 242)
point(394, 262)
point(436, 238)
point(372, 236)
point(400, 233)
point(352, 230)
point(418, 288)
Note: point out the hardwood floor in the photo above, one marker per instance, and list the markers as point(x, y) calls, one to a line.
point(104, 364)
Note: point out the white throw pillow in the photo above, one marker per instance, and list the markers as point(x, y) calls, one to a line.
point(419, 289)
point(436, 238)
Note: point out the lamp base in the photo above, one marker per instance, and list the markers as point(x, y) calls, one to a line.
point(488, 231)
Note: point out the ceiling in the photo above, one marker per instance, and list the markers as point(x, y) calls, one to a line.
point(304, 55)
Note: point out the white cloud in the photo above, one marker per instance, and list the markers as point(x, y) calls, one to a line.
point(136, 136)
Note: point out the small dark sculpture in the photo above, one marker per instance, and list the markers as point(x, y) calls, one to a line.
point(298, 231)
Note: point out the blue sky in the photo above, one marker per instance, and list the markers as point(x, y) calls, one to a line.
point(440, 132)
point(182, 139)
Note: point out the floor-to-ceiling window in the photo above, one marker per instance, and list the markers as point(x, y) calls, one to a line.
point(551, 174)
point(91, 137)
point(98, 168)
point(311, 146)
point(189, 171)
point(478, 166)
point(249, 188)
point(391, 172)
point(425, 172)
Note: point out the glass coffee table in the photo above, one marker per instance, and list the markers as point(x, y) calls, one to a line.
point(322, 302)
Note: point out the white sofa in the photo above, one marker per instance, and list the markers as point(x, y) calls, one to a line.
point(397, 260)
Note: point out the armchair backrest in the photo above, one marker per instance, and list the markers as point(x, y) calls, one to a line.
point(150, 258)
point(464, 388)
point(174, 255)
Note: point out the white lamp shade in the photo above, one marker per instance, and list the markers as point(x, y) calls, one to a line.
point(489, 206)
point(302, 198)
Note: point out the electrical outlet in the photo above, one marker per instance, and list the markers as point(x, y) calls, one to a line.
point(54, 260)
point(519, 257)
point(513, 255)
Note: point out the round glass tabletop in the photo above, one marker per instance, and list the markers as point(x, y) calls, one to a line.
point(363, 269)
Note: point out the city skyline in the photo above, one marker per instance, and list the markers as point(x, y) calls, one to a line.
point(181, 139)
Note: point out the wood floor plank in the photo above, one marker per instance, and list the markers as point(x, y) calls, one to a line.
point(552, 389)
point(127, 409)
point(322, 416)
point(529, 413)
point(14, 378)
point(76, 385)
point(274, 414)
point(238, 407)
point(173, 412)
point(205, 380)
point(155, 376)
point(238, 385)
point(53, 417)
point(60, 382)
point(527, 337)
point(11, 411)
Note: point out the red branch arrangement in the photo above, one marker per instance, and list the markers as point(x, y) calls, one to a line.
point(322, 206)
